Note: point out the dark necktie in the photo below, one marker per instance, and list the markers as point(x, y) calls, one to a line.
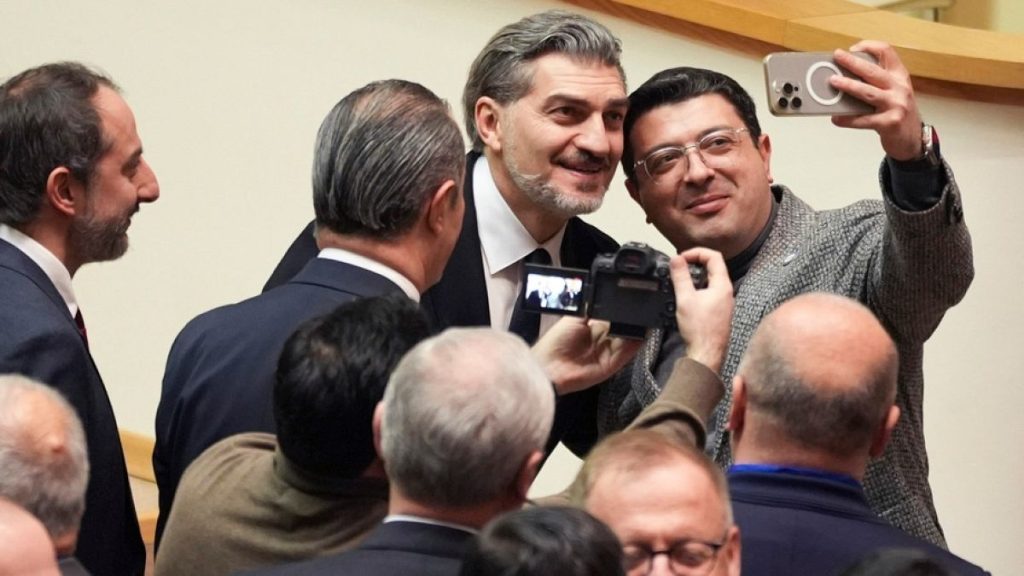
point(527, 324)
point(80, 322)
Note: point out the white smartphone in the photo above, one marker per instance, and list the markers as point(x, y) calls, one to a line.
point(797, 84)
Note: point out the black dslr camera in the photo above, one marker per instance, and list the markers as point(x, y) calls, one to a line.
point(631, 289)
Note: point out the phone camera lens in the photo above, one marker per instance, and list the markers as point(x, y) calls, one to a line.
point(797, 102)
point(787, 88)
point(783, 103)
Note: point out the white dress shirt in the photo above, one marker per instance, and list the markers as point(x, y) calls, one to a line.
point(51, 266)
point(341, 255)
point(504, 242)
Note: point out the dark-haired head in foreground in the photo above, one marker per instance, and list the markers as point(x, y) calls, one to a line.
point(544, 541)
point(330, 377)
point(251, 501)
point(897, 562)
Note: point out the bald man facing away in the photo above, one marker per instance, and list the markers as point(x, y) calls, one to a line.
point(813, 403)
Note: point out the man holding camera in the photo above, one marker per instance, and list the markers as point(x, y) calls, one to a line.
point(543, 105)
point(698, 164)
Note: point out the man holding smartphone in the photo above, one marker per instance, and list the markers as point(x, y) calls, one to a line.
point(697, 163)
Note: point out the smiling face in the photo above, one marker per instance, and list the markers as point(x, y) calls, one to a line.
point(120, 182)
point(558, 145)
point(720, 202)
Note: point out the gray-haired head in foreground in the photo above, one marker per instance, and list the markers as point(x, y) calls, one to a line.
point(631, 453)
point(381, 153)
point(47, 120)
point(502, 70)
point(462, 413)
point(44, 467)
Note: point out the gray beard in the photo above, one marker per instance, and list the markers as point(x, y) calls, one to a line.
point(95, 241)
point(543, 194)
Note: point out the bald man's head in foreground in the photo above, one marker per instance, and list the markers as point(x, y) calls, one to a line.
point(816, 387)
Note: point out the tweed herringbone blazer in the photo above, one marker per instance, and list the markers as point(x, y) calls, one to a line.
point(907, 267)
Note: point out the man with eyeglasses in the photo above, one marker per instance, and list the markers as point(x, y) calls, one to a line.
point(813, 402)
point(666, 501)
point(697, 162)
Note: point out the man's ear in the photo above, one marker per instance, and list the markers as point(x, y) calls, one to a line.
point(738, 412)
point(378, 417)
point(634, 193)
point(884, 431)
point(527, 474)
point(64, 193)
point(764, 149)
point(733, 551)
point(444, 207)
point(487, 114)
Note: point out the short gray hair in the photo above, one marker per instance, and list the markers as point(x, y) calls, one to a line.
point(639, 450)
point(502, 69)
point(462, 413)
point(381, 153)
point(47, 480)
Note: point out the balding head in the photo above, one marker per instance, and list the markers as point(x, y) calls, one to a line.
point(656, 494)
point(25, 547)
point(43, 457)
point(818, 379)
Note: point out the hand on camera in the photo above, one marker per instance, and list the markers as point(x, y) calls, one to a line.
point(577, 353)
point(887, 87)
point(704, 316)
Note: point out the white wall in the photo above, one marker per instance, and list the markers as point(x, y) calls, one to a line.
point(1001, 15)
point(228, 96)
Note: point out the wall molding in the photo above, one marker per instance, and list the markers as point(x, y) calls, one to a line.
point(951, 60)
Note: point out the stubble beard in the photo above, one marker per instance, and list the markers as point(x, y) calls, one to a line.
point(96, 240)
point(543, 193)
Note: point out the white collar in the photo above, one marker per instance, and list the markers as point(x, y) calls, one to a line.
point(366, 263)
point(430, 521)
point(50, 264)
point(504, 240)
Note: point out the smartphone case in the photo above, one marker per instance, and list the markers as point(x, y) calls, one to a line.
point(797, 84)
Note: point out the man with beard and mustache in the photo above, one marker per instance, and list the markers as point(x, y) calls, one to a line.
point(71, 177)
point(544, 105)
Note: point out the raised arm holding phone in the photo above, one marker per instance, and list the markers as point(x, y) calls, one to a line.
point(698, 163)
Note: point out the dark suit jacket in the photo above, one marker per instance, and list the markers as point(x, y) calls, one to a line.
point(394, 549)
point(38, 338)
point(460, 299)
point(798, 524)
point(220, 371)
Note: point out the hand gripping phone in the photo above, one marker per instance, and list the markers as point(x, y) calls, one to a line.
point(797, 84)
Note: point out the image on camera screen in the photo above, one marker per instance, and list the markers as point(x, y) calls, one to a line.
point(554, 290)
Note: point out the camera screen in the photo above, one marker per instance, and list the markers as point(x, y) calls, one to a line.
point(554, 290)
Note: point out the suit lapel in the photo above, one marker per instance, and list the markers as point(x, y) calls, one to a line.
point(759, 294)
point(460, 298)
point(578, 246)
point(16, 261)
